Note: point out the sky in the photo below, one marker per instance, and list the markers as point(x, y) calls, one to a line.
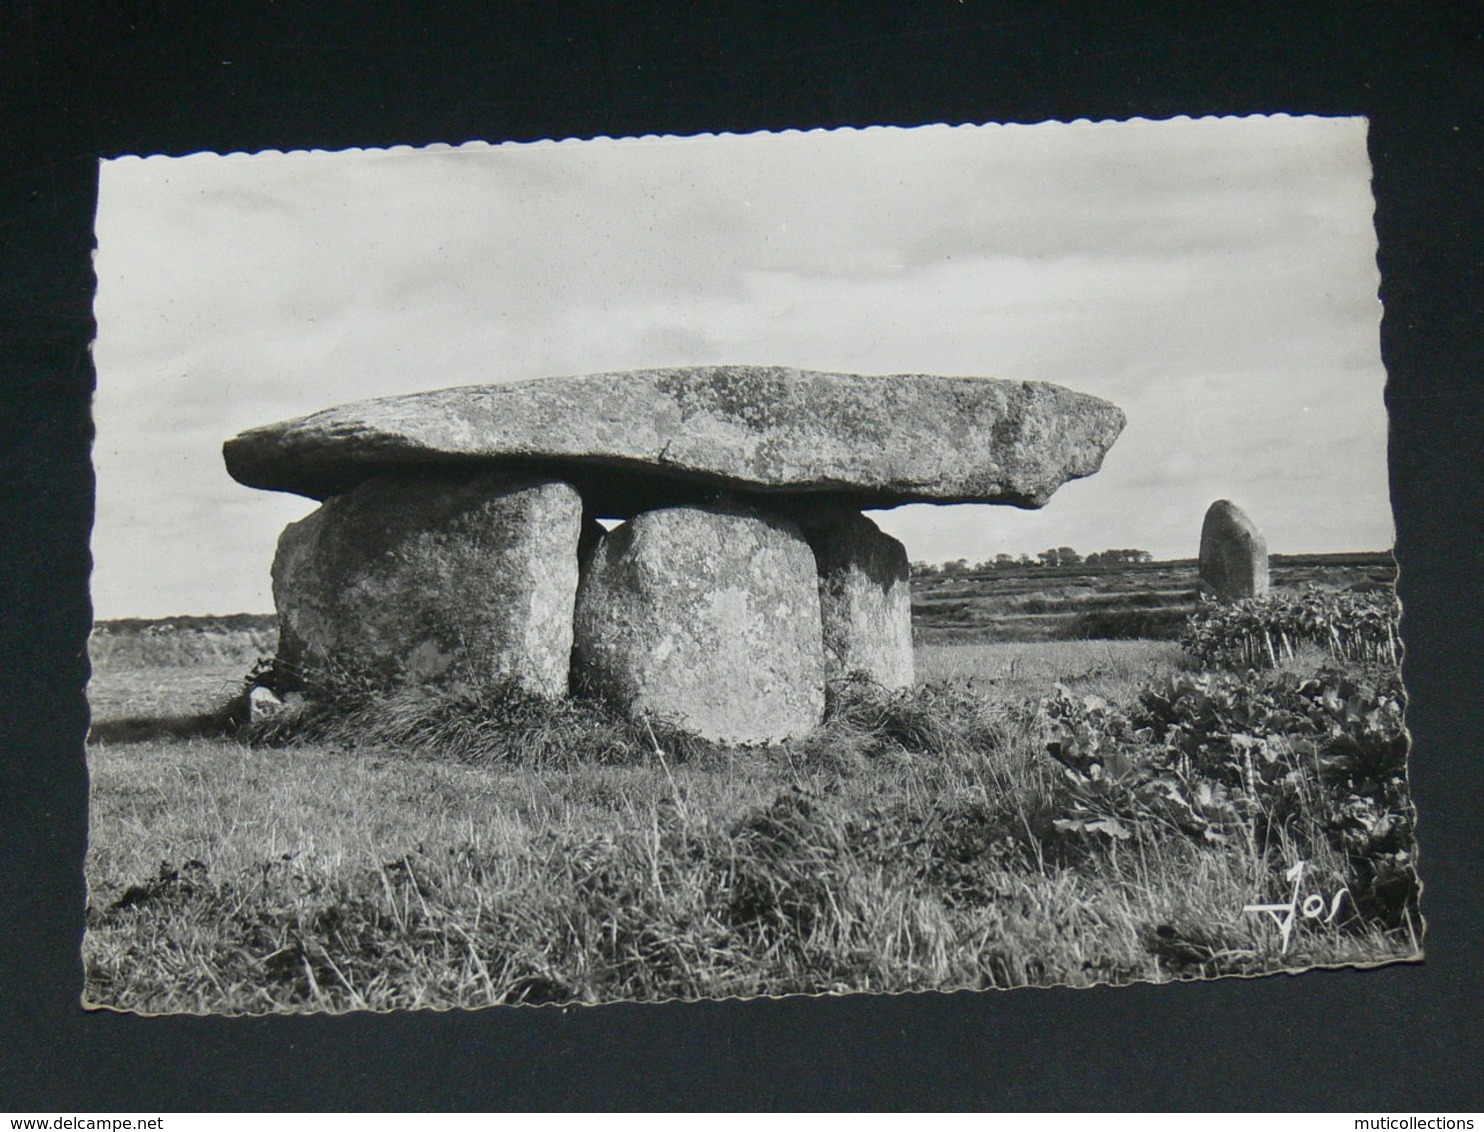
point(1215, 278)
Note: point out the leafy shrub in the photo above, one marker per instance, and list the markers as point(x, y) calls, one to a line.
point(1263, 631)
point(1307, 765)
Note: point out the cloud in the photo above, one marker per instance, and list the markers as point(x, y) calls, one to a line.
point(1215, 278)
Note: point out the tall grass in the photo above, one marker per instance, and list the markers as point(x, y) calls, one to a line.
point(1019, 670)
point(912, 843)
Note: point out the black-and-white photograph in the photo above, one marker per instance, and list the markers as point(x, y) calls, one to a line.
point(853, 561)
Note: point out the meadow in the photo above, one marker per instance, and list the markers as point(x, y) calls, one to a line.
point(1149, 600)
point(1067, 812)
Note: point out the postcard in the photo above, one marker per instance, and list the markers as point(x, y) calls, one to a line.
point(852, 561)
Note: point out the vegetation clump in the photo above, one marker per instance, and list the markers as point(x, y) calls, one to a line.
point(936, 717)
point(1291, 768)
point(461, 847)
point(1265, 631)
point(468, 722)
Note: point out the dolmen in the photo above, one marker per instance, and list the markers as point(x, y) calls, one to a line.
point(1234, 555)
point(458, 538)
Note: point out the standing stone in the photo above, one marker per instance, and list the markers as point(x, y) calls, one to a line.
point(414, 578)
point(707, 616)
point(1234, 555)
point(865, 597)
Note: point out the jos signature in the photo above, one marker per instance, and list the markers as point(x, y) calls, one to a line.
point(1312, 908)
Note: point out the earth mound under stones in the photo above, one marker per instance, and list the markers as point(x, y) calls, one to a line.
point(1234, 555)
point(457, 538)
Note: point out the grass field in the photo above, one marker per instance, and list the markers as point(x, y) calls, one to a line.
point(1131, 601)
point(923, 841)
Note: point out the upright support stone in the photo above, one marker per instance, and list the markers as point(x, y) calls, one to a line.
point(416, 577)
point(865, 596)
point(1234, 555)
point(707, 616)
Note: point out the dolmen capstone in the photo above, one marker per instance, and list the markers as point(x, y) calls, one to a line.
point(458, 536)
point(1234, 555)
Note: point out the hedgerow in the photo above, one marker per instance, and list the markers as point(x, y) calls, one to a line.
point(1261, 632)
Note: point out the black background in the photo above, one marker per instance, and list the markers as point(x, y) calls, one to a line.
point(176, 76)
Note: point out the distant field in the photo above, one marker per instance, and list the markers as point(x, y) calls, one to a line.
point(1148, 601)
point(1134, 605)
point(237, 639)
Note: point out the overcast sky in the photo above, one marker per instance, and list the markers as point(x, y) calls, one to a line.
point(1215, 278)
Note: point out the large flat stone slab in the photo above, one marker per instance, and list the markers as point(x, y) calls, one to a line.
point(426, 578)
point(707, 617)
point(633, 441)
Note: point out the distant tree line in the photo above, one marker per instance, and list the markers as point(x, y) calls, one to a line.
point(1055, 556)
point(1119, 557)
